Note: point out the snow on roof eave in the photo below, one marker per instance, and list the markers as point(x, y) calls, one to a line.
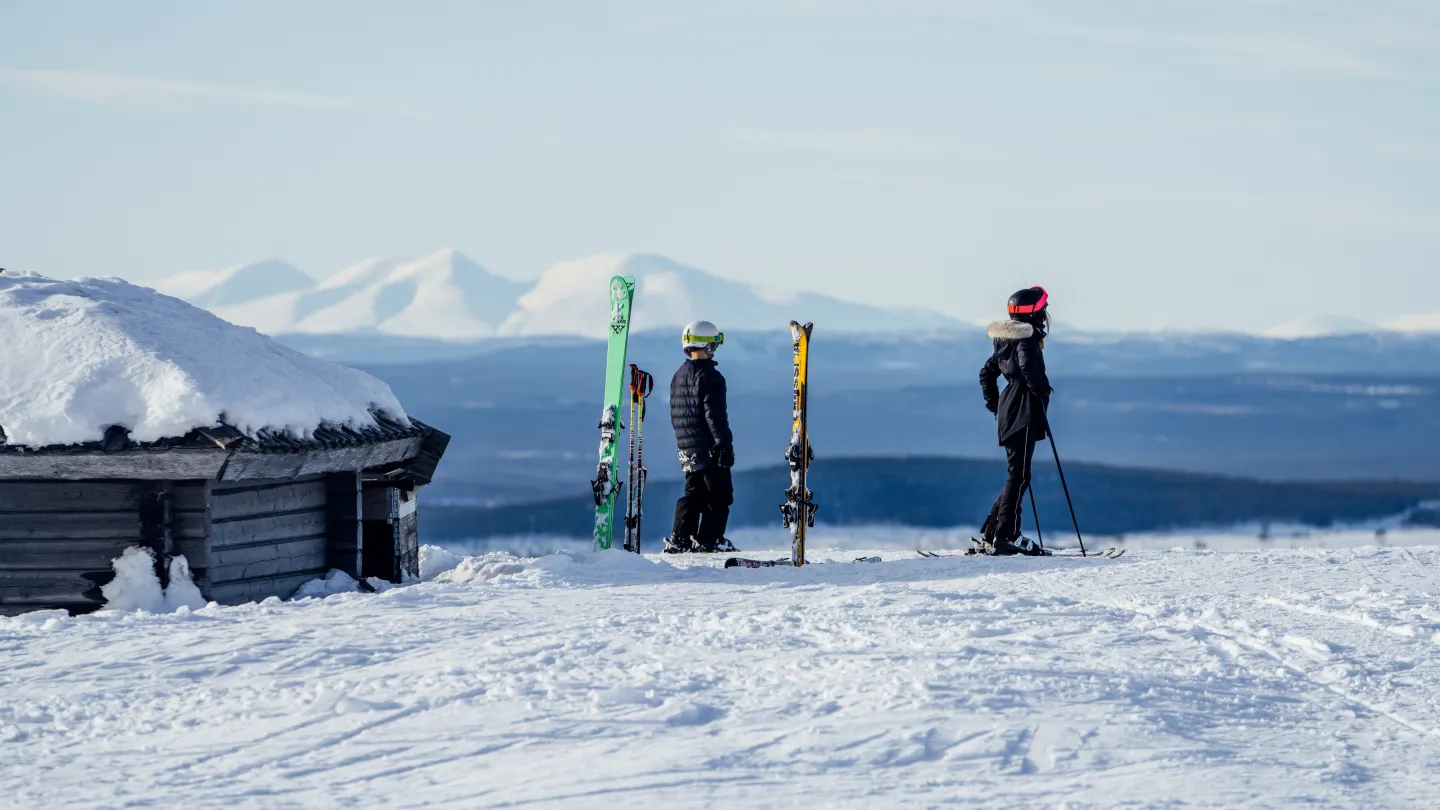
point(227, 437)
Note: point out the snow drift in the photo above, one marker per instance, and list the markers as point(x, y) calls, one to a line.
point(82, 356)
point(136, 587)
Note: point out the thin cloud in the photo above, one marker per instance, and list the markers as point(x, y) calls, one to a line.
point(1333, 53)
point(140, 92)
point(1286, 54)
point(1358, 212)
point(844, 141)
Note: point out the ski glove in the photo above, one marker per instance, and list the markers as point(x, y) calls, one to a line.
point(724, 455)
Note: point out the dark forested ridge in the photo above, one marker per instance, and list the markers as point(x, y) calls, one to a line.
point(946, 492)
point(522, 414)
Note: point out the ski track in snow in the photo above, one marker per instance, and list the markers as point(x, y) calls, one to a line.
point(1162, 679)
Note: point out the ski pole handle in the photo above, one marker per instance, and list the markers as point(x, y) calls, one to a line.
point(641, 383)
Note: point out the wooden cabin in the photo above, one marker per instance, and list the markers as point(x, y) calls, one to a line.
point(254, 516)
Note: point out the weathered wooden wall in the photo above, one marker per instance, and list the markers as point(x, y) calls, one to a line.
point(266, 538)
point(407, 534)
point(57, 538)
point(244, 541)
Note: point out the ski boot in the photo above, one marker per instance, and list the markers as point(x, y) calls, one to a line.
point(721, 546)
point(1000, 547)
point(724, 546)
point(682, 546)
point(1028, 547)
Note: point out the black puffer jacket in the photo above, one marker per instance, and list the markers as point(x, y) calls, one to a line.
point(1020, 358)
point(699, 415)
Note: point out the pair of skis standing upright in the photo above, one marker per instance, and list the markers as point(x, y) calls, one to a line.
point(608, 484)
point(798, 511)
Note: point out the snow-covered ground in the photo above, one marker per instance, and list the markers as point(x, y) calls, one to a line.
point(1183, 678)
point(907, 538)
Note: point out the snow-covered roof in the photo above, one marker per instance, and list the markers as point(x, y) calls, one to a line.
point(82, 356)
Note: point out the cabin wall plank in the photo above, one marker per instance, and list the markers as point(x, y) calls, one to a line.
point(266, 528)
point(267, 537)
point(311, 558)
point(286, 497)
point(86, 554)
point(69, 525)
point(32, 590)
point(153, 465)
point(254, 590)
point(69, 496)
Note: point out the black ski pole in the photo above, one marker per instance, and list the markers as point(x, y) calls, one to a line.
point(1066, 487)
point(1039, 535)
point(1030, 487)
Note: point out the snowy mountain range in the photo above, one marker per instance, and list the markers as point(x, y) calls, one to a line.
point(448, 296)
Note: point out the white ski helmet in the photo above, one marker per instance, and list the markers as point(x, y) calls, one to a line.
point(701, 335)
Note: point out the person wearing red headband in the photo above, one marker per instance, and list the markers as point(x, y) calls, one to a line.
point(1019, 409)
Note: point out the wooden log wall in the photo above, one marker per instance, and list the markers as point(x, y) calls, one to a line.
point(267, 538)
point(57, 538)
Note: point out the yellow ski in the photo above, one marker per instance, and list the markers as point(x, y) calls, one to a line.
point(798, 511)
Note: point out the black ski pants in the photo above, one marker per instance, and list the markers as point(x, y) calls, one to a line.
point(1004, 520)
point(708, 495)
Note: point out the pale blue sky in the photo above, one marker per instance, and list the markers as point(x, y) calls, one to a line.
point(1216, 164)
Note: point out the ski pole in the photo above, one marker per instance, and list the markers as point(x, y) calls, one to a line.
point(1045, 409)
point(643, 385)
point(1066, 487)
point(1028, 467)
point(1039, 535)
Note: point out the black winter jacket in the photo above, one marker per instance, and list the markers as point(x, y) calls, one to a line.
point(699, 415)
point(1019, 357)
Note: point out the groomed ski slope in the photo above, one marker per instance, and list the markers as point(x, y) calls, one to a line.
point(1280, 678)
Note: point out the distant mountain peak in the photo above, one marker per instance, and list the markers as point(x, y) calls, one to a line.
point(570, 299)
point(359, 273)
point(447, 295)
point(1415, 323)
point(237, 284)
point(1313, 326)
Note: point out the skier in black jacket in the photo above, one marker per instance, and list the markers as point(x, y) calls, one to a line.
point(705, 444)
point(1019, 410)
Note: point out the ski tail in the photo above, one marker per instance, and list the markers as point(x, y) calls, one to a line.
point(741, 562)
point(798, 511)
point(1114, 552)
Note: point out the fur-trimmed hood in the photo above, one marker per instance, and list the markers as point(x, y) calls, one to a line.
point(1009, 330)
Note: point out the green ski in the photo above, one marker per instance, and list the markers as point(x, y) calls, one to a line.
point(607, 484)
